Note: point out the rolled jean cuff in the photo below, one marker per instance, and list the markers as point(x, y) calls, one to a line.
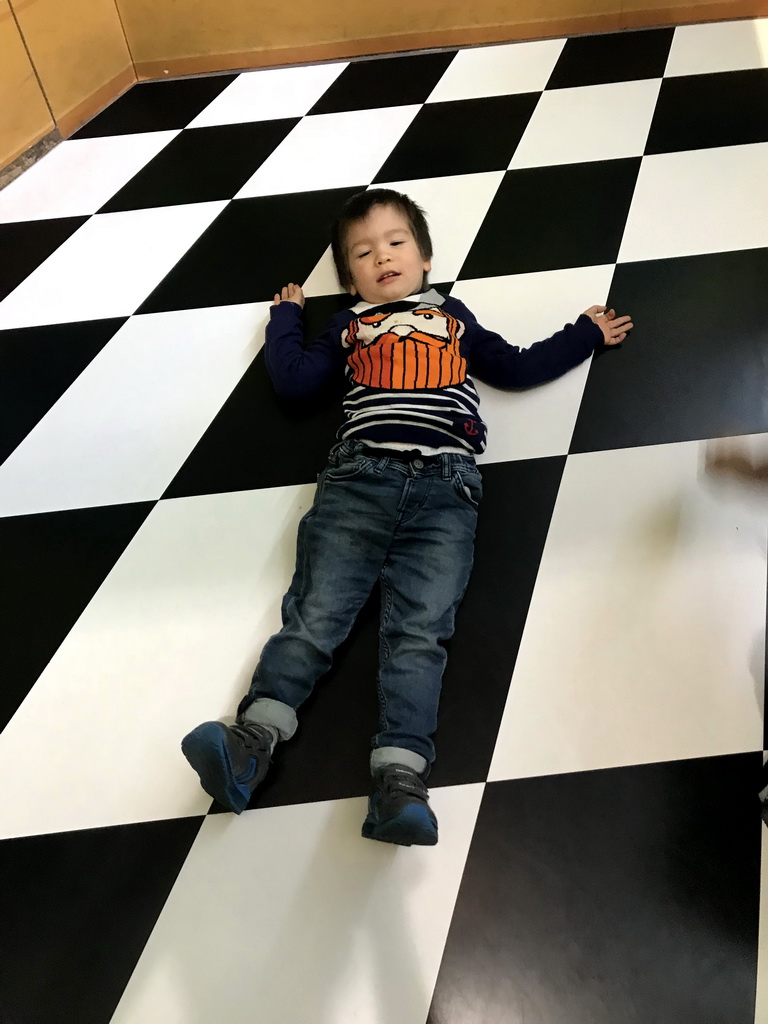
point(266, 711)
point(398, 755)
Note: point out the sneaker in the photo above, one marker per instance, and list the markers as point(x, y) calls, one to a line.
point(231, 761)
point(398, 810)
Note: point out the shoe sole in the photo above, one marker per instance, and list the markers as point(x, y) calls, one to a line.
point(206, 750)
point(411, 827)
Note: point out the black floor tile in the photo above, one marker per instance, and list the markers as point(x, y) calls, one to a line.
point(460, 137)
point(703, 111)
point(512, 529)
point(694, 365)
point(384, 82)
point(26, 244)
point(77, 909)
point(53, 563)
point(618, 57)
point(202, 164)
point(328, 757)
point(37, 365)
point(244, 446)
point(549, 218)
point(252, 248)
point(156, 106)
point(629, 894)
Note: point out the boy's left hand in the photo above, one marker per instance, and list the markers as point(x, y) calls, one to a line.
point(290, 293)
point(614, 328)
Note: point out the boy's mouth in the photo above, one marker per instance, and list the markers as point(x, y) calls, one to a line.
point(390, 274)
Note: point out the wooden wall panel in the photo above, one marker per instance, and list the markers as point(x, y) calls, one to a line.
point(193, 36)
point(247, 32)
point(24, 114)
point(80, 53)
point(642, 13)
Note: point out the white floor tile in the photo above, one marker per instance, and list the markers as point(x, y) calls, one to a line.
point(455, 207)
point(291, 893)
point(79, 176)
point(269, 93)
point(645, 637)
point(597, 122)
point(169, 640)
point(498, 70)
point(721, 46)
point(124, 428)
point(108, 266)
point(322, 280)
point(524, 309)
point(331, 151)
point(699, 201)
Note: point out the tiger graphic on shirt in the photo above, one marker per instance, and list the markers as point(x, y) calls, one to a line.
point(405, 350)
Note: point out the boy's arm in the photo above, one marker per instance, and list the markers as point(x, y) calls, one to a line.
point(496, 362)
point(296, 371)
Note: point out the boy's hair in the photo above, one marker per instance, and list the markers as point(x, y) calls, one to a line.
point(357, 208)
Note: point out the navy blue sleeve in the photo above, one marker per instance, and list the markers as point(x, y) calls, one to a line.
point(296, 371)
point(496, 362)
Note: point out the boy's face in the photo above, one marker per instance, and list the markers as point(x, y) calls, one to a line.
point(383, 244)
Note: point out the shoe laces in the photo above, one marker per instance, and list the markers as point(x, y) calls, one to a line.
point(256, 740)
point(394, 779)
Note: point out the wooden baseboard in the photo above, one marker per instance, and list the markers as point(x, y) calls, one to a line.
point(76, 117)
point(720, 10)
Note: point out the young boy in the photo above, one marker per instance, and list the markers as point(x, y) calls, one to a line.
point(396, 503)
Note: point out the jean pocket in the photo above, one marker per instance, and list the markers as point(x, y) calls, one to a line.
point(347, 468)
point(468, 486)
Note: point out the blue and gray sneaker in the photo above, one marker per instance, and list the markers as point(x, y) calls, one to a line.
point(398, 809)
point(230, 760)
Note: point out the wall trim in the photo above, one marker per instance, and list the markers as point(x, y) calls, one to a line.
point(17, 162)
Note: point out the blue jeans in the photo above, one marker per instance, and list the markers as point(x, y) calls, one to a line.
point(409, 525)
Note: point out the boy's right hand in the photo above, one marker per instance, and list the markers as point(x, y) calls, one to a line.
point(291, 293)
point(614, 328)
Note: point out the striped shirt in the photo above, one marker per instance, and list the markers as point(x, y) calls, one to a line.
point(440, 418)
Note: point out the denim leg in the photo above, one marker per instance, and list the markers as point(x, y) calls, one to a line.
point(422, 583)
point(341, 546)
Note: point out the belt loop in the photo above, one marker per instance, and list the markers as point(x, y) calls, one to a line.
point(381, 464)
point(446, 465)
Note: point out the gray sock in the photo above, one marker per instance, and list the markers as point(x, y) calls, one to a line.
point(274, 735)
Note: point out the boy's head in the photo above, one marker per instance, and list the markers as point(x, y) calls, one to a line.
point(381, 232)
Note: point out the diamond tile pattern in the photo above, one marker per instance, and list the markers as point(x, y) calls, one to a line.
point(601, 734)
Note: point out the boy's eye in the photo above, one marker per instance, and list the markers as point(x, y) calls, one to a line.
point(367, 251)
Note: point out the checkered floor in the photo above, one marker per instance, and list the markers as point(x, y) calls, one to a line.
point(601, 729)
